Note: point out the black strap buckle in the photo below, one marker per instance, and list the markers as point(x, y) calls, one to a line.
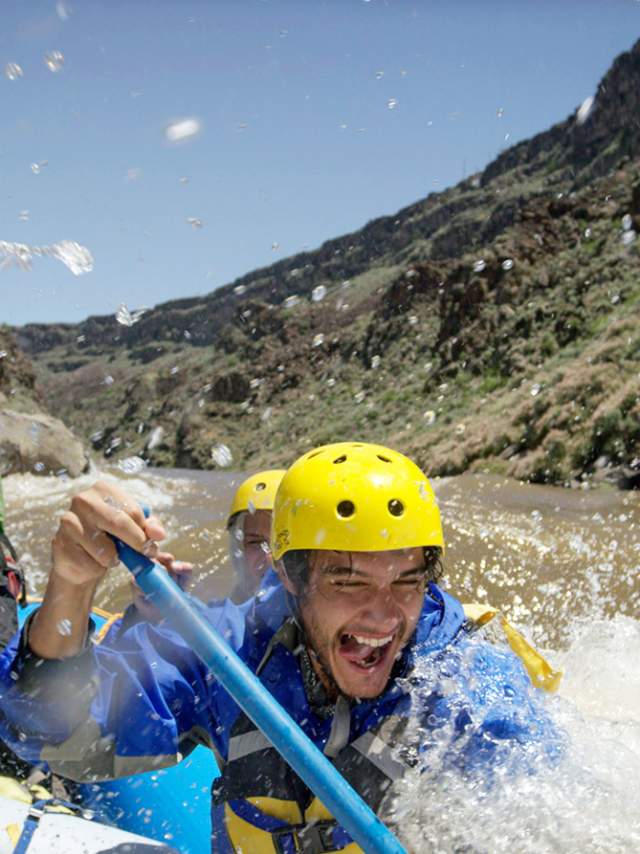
point(313, 838)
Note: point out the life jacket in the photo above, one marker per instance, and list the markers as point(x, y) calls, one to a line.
point(261, 806)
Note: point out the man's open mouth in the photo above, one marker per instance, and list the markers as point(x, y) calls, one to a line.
point(365, 651)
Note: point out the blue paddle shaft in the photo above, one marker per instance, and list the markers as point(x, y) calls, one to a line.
point(303, 756)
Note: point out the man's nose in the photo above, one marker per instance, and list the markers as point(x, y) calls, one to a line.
point(383, 609)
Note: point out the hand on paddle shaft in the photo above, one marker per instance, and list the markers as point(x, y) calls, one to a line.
point(83, 552)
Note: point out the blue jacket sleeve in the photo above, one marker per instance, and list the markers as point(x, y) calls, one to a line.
point(120, 708)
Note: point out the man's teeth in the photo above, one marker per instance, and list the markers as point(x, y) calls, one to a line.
point(373, 641)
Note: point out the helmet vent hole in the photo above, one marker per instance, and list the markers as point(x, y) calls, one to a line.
point(341, 459)
point(346, 509)
point(384, 459)
point(260, 487)
point(396, 507)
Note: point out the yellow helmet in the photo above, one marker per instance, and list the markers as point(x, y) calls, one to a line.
point(256, 492)
point(353, 496)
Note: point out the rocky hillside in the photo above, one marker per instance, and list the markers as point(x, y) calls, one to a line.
point(30, 439)
point(492, 326)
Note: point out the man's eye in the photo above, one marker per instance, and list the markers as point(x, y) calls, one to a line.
point(348, 585)
point(409, 582)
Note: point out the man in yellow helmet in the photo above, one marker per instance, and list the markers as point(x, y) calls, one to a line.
point(249, 526)
point(368, 655)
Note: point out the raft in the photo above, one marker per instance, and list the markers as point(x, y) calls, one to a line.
point(172, 805)
point(33, 822)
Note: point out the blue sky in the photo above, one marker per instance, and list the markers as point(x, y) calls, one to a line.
point(297, 145)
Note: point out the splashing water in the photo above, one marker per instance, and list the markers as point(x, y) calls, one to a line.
point(318, 340)
point(507, 264)
point(221, 455)
point(182, 130)
point(291, 301)
point(392, 103)
point(584, 110)
point(13, 71)
point(589, 803)
point(74, 256)
point(479, 266)
point(318, 293)
point(54, 60)
point(132, 465)
point(129, 318)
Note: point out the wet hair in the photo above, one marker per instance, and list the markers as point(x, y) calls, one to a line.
point(297, 566)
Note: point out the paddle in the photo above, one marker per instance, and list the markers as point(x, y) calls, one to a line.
point(303, 756)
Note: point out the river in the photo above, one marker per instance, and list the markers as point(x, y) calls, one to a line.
point(561, 564)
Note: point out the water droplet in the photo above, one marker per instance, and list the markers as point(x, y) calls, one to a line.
point(500, 112)
point(429, 417)
point(318, 293)
point(81, 339)
point(23, 216)
point(221, 455)
point(375, 362)
point(275, 247)
point(584, 110)
point(38, 466)
point(75, 257)
point(460, 428)
point(615, 299)
point(413, 319)
point(155, 438)
point(291, 301)
point(256, 382)
point(174, 370)
point(479, 266)
point(346, 284)
point(507, 264)
point(63, 11)
point(331, 382)
point(627, 222)
point(54, 60)
point(37, 168)
point(194, 222)
point(266, 415)
point(108, 380)
point(182, 130)
point(628, 237)
point(184, 180)
point(239, 290)
point(392, 103)
point(132, 465)
point(536, 388)
point(359, 396)
point(587, 233)
point(129, 318)
point(318, 340)
point(379, 74)
point(3, 354)
point(12, 71)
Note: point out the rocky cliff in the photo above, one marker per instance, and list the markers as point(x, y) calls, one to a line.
point(492, 326)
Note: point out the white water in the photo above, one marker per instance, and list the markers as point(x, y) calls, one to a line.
point(563, 566)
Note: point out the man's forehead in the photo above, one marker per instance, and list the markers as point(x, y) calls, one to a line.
point(258, 522)
point(395, 560)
